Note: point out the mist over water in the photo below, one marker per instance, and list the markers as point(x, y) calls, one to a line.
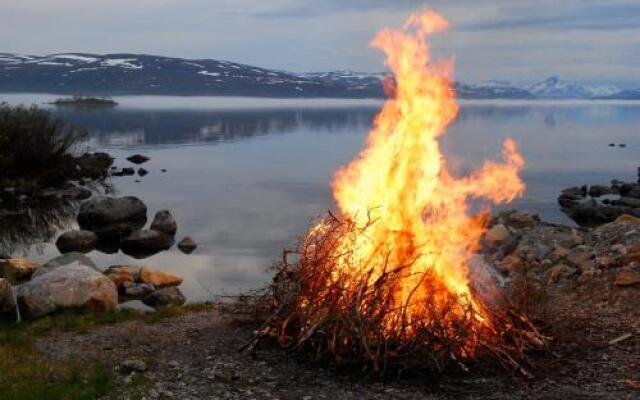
point(245, 176)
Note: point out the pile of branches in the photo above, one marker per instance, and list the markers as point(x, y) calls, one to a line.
point(322, 310)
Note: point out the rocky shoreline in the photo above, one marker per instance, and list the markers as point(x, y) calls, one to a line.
point(73, 281)
point(580, 284)
point(520, 245)
point(599, 204)
point(107, 224)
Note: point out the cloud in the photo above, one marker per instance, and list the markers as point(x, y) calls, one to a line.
point(568, 15)
point(520, 40)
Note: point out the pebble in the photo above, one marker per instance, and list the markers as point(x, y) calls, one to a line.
point(132, 365)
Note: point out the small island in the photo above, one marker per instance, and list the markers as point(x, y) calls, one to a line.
point(85, 101)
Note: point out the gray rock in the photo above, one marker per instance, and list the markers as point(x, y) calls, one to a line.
point(65, 260)
point(138, 159)
point(111, 217)
point(569, 201)
point(560, 272)
point(8, 307)
point(70, 286)
point(77, 241)
point(164, 297)
point(630, 190)
point(187, 245)
point(164, 222)
point(628, 201)
point(599, 190)
point(132, 365)
point(576, 191)
point(591, 213)
point(136, 290)
point(146, 241)
point(581, 257)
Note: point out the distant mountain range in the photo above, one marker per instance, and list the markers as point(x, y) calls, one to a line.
point(119, 74)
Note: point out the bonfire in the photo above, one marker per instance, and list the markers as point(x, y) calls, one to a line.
point(387, 280)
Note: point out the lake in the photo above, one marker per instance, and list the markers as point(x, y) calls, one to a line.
point(246, 176)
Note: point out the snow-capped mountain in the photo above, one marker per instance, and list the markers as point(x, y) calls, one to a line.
point(113, 74)
point(491, 90)
point(633, 94)
point(554, 88)
point(347, 77)
point(116, 74)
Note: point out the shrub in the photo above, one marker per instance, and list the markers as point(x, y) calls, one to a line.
point(33, 144)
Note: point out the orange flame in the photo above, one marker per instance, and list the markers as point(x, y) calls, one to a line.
point(402, 183)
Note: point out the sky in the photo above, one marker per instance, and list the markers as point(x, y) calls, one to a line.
point(520, 41)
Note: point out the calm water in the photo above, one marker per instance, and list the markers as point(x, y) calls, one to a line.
point(245, 176)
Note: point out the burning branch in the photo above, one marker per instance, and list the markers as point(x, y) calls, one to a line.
point(386, 282)
point(358, 321)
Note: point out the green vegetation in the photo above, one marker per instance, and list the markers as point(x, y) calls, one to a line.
point(34, 147)
point(81, 101)
point(27, 374)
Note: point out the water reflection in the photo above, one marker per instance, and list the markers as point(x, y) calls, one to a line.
point(245, 182)
point(121, 128)
point(26, 228)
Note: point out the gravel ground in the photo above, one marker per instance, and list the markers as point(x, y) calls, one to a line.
point(195, 356)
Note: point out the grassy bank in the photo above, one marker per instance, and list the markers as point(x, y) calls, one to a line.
point(27, 374)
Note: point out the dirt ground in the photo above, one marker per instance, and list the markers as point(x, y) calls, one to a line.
point(195, 356)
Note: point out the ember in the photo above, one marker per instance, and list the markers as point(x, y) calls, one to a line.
point(387, 280)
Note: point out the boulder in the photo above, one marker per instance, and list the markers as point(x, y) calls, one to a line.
point(138, 159)
point(164, 222)
point(630, 190)
point(560, 272)
point(591, 213)
point(17, 270)
point(108, 246)
point(517, 219)
point(77, 241)
point(187, 245)
point(581, 256)
point(559, 252)
point(164, 297)
point(627, 219)
point(628, 201)
point(132, 291)
point(511, 264)
point(496, 235)
point(627, 278)
point(122, 274)
point(94, 165)
point(8, 307)
point(73, 285)
point(112, 217)
point(569, 201)
point(65, 260)
point(146, 242)
point(576, 191)
point(159, 279)
point(142, 172)
point(599, 190)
